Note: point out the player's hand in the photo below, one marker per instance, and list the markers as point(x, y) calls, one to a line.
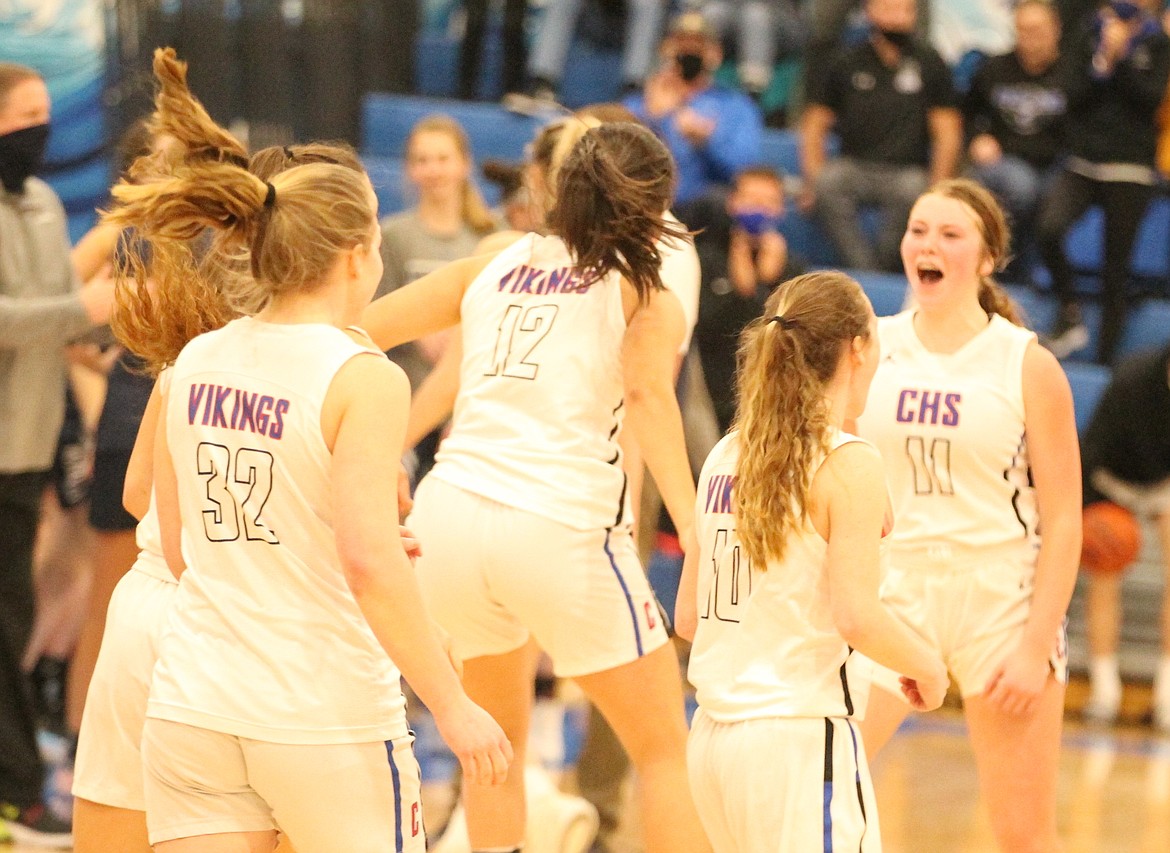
point(405, 501)
point(985, 150)
point(695, 126)
point(410, 543)
point(97, 299)
point(926, 694)
point(1018, 682)
point(477, 741)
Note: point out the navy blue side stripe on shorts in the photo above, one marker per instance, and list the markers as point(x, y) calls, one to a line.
point(828, 815)
point(397, 783)
point(626, 592)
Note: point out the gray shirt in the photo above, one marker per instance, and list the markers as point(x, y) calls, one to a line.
point(39, 314)
point(410, 251)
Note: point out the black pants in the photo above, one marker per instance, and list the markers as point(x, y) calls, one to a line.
point(1124, 205)
point(515, 58)
point(21, 770)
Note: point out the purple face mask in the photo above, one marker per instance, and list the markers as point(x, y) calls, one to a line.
point(1126, 10)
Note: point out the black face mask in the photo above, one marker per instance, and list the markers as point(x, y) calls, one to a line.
point(901, 39)
point(690, 65)
point(21, 155)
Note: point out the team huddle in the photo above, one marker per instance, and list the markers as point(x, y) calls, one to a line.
point(870, 526)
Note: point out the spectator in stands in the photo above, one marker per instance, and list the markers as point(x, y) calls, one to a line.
point(1015, 113)
point(1126, 454)
point(764, 30)
point(743, 257)
point(551, 50)
point(893, 104)
point(713, 132)
point(515, 44)
point(829, 29)
point(445, 225)
point(1117, 77)
point(41, 309)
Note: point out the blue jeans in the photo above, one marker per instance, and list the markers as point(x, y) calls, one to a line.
point(643, 31)
point(1017, 183)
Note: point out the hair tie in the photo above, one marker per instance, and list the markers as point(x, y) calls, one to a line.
point(288, 152)
point(270, 197)
point(785, 323)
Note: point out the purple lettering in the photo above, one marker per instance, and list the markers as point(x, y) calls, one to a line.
point(193, 399)
point(905, 412)
point(263, 410)
point(951, 416)
point(928, 411)
point(277, 428)
point(247, 411)
point(217, 416)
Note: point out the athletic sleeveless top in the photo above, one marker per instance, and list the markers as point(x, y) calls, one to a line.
point(766, 644)
point(147, 535)
point(950, 428)
point(266, 640)
point(540, 394)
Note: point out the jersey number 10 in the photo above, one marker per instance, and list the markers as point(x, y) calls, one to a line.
point(731, 580)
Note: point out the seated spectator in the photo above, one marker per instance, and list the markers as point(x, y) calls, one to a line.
point(558, 26)
point(743, 257)
point(446, 224)
point(1116, 81)
point(1126, 456)
point(1014, 115)
point(713, 132)
point(764, 30)
point(893, 104)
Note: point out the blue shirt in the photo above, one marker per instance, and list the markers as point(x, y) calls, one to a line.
point(734, 145)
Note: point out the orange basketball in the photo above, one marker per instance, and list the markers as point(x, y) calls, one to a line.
point(1112, 538)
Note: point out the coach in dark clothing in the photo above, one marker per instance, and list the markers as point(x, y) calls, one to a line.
point(893, 103)
point(1117, 78)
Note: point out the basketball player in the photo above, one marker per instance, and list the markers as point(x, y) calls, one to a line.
point(789, 519)
point(974, 421)
point(276, 698)
point(524, 520)
point(109, 810)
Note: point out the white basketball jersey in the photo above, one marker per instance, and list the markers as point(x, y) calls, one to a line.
point(950, 428)
point(766, 644)
point(540, 393)
point(266, 640)
point(147, 535)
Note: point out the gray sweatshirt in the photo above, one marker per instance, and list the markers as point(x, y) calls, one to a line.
point(39, 313)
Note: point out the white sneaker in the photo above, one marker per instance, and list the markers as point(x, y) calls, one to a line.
point(557, 822)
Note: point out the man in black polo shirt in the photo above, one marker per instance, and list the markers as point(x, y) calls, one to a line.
point(893, 103)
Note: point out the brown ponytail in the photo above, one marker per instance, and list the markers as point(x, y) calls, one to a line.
point(786, 360)
point(288, 230)
point(612, 191)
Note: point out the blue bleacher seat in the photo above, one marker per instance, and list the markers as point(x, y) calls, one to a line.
point(1039, 308)
point(494, 132)
point(781, 150)
point(1087, 381)
point(389, 180)
point(1084, 244)
point(1148, 325)
point(887, 291)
